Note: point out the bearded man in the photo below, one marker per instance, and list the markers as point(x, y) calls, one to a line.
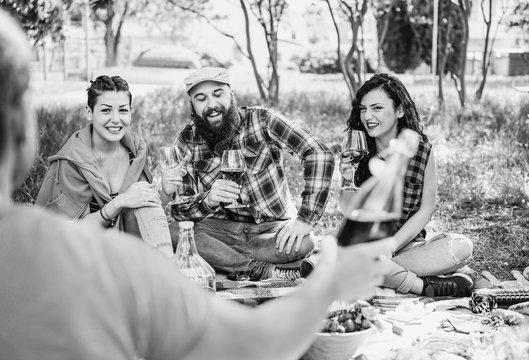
point(268, 237)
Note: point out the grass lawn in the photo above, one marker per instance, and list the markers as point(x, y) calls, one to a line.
point(481, 151)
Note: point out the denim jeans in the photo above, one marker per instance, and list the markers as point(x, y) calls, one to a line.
point(440, 254)
point(150, 224)
point(231, 245)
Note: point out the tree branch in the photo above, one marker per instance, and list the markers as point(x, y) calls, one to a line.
point(210, 23)
point(258, 77)
point(120, 25)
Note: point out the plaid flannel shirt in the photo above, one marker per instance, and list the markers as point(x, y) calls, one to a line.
point(413, 185)
point(262, 137)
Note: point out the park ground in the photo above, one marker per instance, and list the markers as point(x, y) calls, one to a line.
point(481, 151)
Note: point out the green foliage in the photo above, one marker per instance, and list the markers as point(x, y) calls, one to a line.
point(455, 39)
point(409, 40)
point(38, 18)
point(55, 125)
point(519, 18)
point(401, 48)
point(318, 62)
point(481, 152)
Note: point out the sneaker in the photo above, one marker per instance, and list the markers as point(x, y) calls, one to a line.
point(456, 285)
point(286, 274)
point(262, 270)
point(257, 271)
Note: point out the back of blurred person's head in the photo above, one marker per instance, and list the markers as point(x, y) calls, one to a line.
point(14, 83)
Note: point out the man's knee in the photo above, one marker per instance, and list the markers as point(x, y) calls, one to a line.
point(308, 244)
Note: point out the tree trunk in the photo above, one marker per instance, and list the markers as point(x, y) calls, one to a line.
point(487, 51)
point(442, 51)
point(464, 8)
point(251, 57)
point(110, 40)
point(273, 84)
point(381, 40)
point(341, 61)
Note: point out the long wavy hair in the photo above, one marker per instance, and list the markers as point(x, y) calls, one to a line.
point(399, 95)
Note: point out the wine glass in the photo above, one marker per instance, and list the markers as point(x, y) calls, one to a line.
point(354, 148)
point(233, 166)
point(171, 165)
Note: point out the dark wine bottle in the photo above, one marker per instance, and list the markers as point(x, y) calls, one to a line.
point(374, 209)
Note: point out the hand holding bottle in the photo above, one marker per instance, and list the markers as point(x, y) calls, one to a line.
point(374, 209)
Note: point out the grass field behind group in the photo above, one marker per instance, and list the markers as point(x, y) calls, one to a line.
point(482, 155)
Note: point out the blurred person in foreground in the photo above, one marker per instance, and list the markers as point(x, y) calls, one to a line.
point(268, 237)
point(101, 176)
point(74, 291)
point(381, 109)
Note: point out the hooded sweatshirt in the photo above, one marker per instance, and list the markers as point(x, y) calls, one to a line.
point(74, 177)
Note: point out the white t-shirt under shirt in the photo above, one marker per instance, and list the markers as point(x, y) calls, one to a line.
point(69, 291)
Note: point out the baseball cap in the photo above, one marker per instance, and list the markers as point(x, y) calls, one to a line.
point(216, 74)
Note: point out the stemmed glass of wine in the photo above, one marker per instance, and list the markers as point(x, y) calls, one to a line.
point(354, 148)
point(233, 166)
point(171, 165)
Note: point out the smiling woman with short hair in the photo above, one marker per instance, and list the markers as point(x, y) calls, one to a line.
point(100, 174)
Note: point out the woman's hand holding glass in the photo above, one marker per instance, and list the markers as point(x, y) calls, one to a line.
point(354, 148)
point(172, 166)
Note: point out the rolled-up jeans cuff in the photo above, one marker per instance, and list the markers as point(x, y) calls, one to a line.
point(408, 282)
point(154, 229)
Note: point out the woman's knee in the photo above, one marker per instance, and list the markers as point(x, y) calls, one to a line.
point(130, 223)
point(462, 247)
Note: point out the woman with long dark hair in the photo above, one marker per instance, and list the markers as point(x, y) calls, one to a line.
point(381, 109)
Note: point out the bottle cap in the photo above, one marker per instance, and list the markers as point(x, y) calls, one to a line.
point(184, 225)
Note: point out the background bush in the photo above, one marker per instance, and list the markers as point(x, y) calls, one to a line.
point(481, 155)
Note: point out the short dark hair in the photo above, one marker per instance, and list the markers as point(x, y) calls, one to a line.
point(105, 83)
point(14, 80)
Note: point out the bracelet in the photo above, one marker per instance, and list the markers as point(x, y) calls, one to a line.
point(105, 216)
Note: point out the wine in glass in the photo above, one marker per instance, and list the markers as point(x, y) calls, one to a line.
point(354, 148)
point(233, 166)
point(171, 165)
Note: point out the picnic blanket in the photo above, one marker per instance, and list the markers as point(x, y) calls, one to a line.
point(254, 292)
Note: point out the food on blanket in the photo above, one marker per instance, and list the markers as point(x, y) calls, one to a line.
point(481, 303)
point(504, 297)
point(355, 317)
point(414, 353)
point(397, 330)
point(508, 316)
point(522, 308)
point(454, 344)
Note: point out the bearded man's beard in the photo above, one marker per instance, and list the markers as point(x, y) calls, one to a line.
point(218, 138)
